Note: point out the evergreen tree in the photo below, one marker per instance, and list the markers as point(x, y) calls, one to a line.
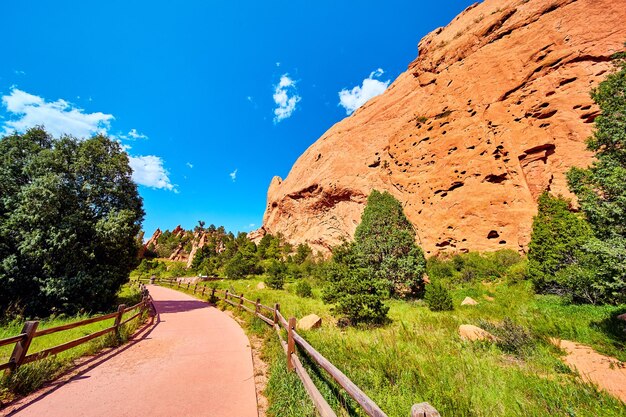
point(385, 241)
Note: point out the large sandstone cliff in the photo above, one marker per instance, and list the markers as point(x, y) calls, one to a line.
point(494, 110)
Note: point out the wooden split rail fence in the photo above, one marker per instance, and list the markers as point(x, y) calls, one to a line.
point(29, 332)
point(276, 320)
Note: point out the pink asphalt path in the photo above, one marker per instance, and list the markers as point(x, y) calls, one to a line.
point(195, 362)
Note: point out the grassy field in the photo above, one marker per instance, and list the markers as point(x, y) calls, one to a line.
point(420, 357)
point(32, 376)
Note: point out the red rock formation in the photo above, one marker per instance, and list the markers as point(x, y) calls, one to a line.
point(154, 239)
point(494, 110)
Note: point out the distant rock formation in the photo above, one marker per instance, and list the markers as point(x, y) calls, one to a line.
point(494, 110)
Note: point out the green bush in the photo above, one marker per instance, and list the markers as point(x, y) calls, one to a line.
point(276, 275)
point(518, 272)
point(438, 297)
point(511, 337)
point(438, 268)
point(303, 289)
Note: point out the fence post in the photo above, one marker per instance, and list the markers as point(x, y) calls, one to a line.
point(276, 310)
point(118, 318)
point(256, 306)
point(203, 290)
point(226, 295)
point(240, 301)
point(424, 410)
point(212, 294)
point(21, 347)
point(188, 284)
point(177, 284)
point(290, 343)
point(195, 287)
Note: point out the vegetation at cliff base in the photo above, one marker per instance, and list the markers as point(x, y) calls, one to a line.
point(69, 217)
point(584, 256)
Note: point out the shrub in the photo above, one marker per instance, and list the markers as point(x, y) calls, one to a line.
point(518, 272)
point(438, 268)
point(511, 337)
point(276, 275)
point(303, 289)
point(438, 297)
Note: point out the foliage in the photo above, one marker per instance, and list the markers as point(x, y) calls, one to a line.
point(602, 196)
point(438, 297)
point(585, 258)
point(557, 239)
point(355, 291)
point(276, 275)
point(385, 242)
point(303, 289)
point(303, 252)
point(69, 215)
point(511, 337)
point(474, 266)
point(403, 356)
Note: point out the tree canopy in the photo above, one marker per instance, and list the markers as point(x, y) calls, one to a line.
point(69, 217)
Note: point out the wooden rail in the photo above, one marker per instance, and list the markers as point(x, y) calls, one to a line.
point(29, 332)
point(278, 322)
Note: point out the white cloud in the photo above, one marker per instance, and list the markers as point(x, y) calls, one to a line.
point(286, 98)
point(19, 72)
point(233, 175)
point(136, 135)
point(278, 64)
point(359, 95)
point(149, 171)
point(189, 164)
point(59, 117)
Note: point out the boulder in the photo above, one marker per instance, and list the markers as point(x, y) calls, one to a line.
point(474, 333)
point(469, 301)
point(260, 286)
point(312, 321)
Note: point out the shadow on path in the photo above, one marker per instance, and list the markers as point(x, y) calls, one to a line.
point(78, 371)
point(178, 306)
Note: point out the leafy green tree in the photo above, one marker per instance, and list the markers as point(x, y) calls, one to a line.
point(385, 241)
point(69, 216)
point(303, 252)
point(557, 239)
point(303, 289)
point(601, 190)
point(276, 275)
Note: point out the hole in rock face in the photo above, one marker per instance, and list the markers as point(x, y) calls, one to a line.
point(496, 179)
point(493, 235)
point(502, 242)
point(274, 204)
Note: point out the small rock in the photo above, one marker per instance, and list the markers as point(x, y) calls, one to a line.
point(312, 321)
point(488, 297)
point(473, 333)
point(469, 301)
point(622, 317)
point(260, 286)
point(343, 322)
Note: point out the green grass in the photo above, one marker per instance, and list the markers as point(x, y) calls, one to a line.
point(420, 357)
point(32, 376)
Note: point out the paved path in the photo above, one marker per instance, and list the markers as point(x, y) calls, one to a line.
point(195, 362)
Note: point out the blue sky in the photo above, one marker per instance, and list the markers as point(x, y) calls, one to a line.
point(211, 98)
